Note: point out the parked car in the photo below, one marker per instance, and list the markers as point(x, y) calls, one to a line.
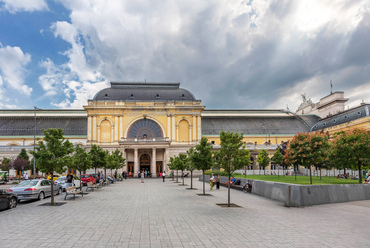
point(86, 178)
point(7, 200)
point(61, 181)
point(34, 189)
point(55, 176)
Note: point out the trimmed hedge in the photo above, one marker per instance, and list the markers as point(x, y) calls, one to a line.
point(221, 173)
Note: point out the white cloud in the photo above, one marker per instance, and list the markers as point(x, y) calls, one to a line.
point(14, 6)
point(13, 64)
point(230, 54)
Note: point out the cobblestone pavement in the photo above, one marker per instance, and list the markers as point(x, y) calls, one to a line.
point(157, 214)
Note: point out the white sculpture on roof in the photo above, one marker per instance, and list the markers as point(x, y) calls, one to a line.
point(305, 101)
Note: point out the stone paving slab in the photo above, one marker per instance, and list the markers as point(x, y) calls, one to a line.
point(157, 214)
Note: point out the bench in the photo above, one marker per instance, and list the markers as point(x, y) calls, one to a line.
point(238, 187)
point(90, 185)
point(72, 191)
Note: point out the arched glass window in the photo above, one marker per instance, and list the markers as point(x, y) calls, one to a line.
point(145, 128)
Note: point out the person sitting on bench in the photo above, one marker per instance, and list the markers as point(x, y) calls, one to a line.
point(247, 187)
point(232, 181)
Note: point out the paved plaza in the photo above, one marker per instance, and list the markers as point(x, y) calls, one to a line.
point(157, 214)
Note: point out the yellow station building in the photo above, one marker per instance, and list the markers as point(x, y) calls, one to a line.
point(151, 122)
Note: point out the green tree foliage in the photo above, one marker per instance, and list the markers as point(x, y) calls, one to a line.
point(308, 149)
point(351, 149)
point(53, 154)
point(81, 160)
point(182, 164)
point(19, 164)
point(115, 160)
point(191, 166)
point(263, 159)
point(98, 157)
point(232, 155)
point(202, 158)
point(23, 154)
point(5, 164)
point(173, 165)
point(278, 158)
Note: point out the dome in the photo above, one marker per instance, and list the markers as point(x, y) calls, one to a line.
point(144, 92)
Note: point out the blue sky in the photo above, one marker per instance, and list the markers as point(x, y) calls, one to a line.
point(230, 54)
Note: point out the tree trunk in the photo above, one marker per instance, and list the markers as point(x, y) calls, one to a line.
point(182, 173)
point(359, 174)
point(80, 182)
point(320, 173)
point(264, 171)
point(177, 178)
point(228, 191)
point(295, 172)
point(204, 182)
point(191, 179)
point(52, 189)
point(310, 175)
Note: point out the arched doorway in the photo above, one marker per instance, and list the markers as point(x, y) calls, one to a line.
point(145, 162)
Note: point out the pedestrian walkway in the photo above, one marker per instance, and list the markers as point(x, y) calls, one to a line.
point(157, 214)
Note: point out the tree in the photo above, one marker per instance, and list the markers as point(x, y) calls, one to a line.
point(278, 158)
point(308, 149)
point(190, 164)
point(19, 164)
point(352, 148)
point(232, 155)
point(263, 159)
point(202, 158)
point(182, 164)
point(81, 160)
point(172, 165)
point(98, 157)
point(115, 160)
point(6, 165)
point(23, 154)
point(53, 154)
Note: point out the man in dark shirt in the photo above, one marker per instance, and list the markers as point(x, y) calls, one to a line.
point(69, 180)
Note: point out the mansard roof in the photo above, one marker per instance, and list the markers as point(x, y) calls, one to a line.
point(143, 91)
point(343, 117)
point(255, 122)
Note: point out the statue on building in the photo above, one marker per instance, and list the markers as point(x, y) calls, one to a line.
point(305, 101)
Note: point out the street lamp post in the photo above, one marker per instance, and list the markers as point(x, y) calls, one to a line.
point(34, 143)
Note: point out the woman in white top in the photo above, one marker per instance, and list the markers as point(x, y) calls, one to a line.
point(164, 175)
point(211, 180)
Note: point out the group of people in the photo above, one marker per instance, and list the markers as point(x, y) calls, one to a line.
point(146, 173)
point(214, 181)
point(141, 174)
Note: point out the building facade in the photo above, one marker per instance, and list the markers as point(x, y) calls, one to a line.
point(151, 122)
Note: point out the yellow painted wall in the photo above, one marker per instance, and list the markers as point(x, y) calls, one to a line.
point(183, 131)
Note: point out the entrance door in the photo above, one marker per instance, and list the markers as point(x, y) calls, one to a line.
point(130, 167)
point(145, 162)
point(159, 167)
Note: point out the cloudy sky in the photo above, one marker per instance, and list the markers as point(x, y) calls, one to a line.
point(230, 54)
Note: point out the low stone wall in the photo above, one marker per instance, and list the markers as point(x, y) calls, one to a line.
point(294, 195)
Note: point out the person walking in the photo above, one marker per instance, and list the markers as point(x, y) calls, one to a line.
point(164, 175)
point(26, 176)
point(142, 176)
point(217, 181)
point(211, 181)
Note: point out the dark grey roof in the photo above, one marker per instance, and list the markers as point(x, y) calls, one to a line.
point(343, 117)
point(144, 92)
point(254, 125)
point(24, 126)
point(310, 119)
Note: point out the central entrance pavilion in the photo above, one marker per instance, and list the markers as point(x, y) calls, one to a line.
point(148, 122)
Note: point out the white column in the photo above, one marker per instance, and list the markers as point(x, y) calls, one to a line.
point(194, 128)
point(89, 129)
point(173, 137)
point(116, 128)
point(124, 156)
point(168, 126)
point(120, 127)
point(166, 160)
point(154, 162)
point(94, 129)
point(199, 127)
point(136, 161)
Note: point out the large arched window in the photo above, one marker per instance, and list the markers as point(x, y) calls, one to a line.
point(145, 128)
